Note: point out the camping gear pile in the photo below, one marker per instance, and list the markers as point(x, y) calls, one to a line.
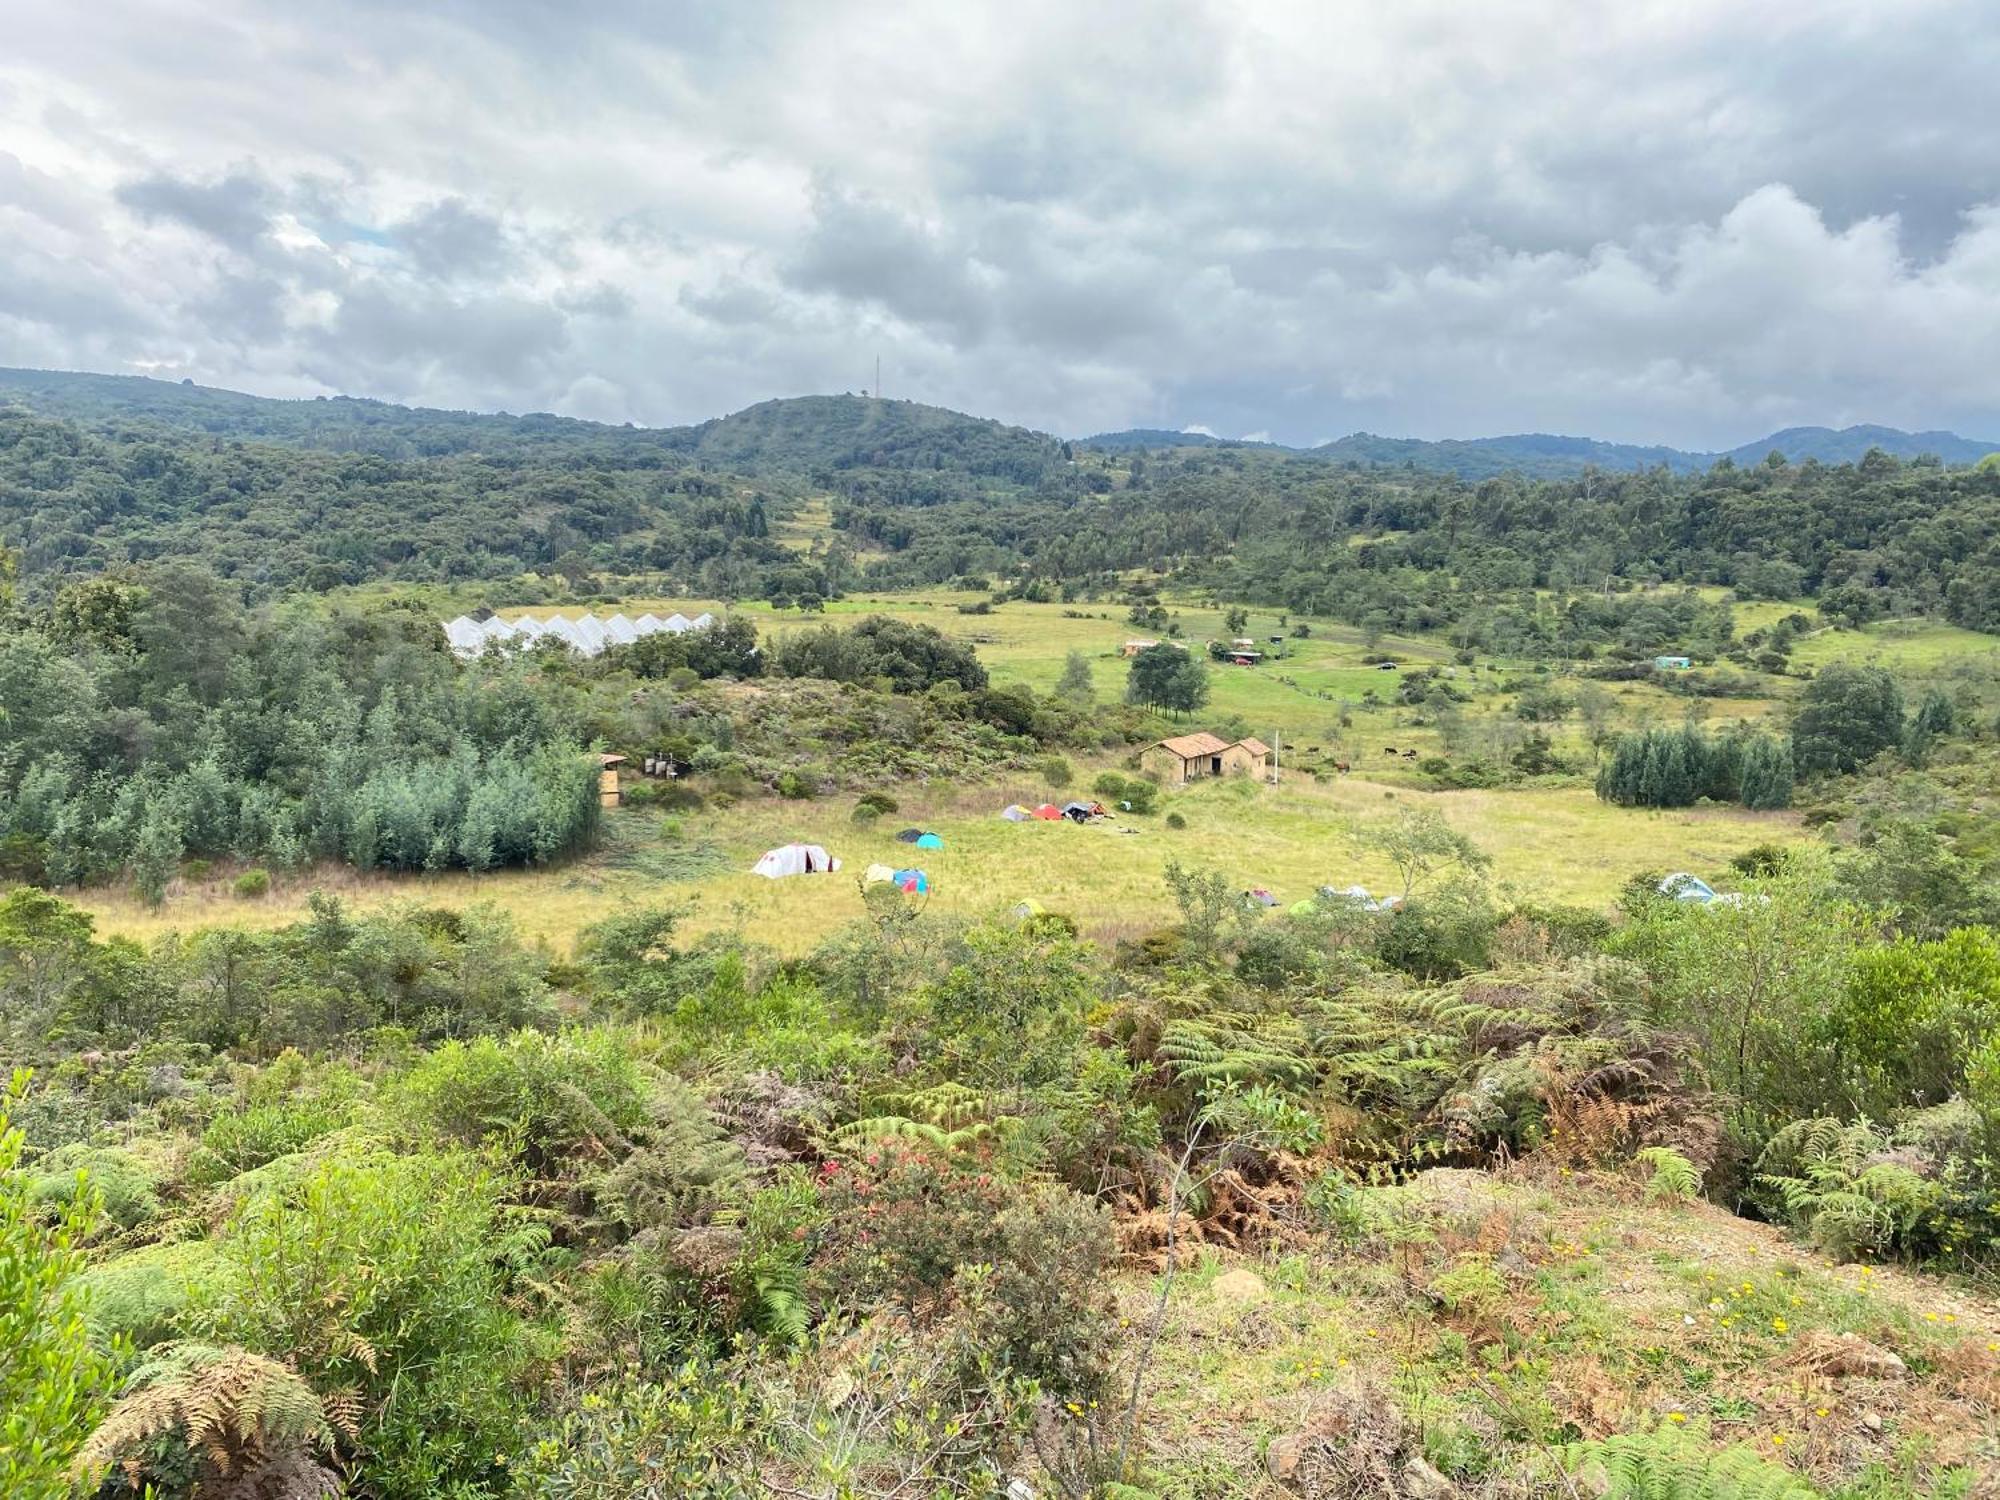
point(1084, 812)
point(795, 859)
point(586, 635)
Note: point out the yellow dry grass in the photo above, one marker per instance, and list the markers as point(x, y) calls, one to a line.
point(1552, 843)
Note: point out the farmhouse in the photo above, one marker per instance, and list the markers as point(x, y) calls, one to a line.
point(1190, 757)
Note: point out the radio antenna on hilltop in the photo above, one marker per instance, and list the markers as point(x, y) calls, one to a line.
point(878, 377)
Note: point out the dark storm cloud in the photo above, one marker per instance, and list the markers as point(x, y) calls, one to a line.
point(234, 211)
point(451, 239)
point(1679, 220)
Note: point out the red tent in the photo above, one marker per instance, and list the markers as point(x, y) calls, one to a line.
point(1048, 812)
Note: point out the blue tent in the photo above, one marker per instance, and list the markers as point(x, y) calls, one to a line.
point(930, 841)
point(912, 882)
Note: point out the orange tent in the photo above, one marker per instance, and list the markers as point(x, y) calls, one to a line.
point(1048, 812)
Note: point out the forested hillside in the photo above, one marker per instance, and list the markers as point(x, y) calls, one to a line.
point(99, 473)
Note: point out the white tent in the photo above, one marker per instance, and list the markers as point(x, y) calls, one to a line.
point(795, 859)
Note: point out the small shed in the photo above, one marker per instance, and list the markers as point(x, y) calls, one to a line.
point(1671, 664)
point(608, 792)
point(1133, 648)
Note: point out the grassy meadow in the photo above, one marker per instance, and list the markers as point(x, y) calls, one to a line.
point(1550, 840)
point(1558, 843)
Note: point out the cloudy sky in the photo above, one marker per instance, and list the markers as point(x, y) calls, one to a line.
point(1687, 221)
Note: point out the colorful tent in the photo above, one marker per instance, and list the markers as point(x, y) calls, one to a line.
point(1048, 812)
point(1258, 896)
point(877, 875)
point(795, 859)
point(1013, 812)
point(1303, 908)
point(930, 841)
point(909, 835)
point(912, 882)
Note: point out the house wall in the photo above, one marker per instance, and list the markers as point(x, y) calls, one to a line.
point(1168, 766)
point(1237, 760)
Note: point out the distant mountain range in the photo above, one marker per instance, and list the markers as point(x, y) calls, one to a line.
point(1544, 455)
point(803, 433)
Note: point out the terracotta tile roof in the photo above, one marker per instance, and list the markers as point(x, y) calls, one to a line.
point(1193, 746)
point(1254, 745)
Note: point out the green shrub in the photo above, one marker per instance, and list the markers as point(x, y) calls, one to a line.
point(797, 786)
point(1176, 821)
point(52, 1381)
point(864, 815)
point(1109, 785)
point(1670, 1176)
point(1841, 1186)
point(126, 1188)
point(685, 1434)
point(881, 802)
point(381, 1275)
point(143, 1297)
point(251, 884)
point(1056, 771)
point(1138, 796)
point(546, 1099)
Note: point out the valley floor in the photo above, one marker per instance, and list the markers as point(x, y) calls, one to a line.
point(1552, 843)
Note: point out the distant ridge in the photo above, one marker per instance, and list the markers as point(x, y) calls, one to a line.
point(804, 433)
point(1546, 456)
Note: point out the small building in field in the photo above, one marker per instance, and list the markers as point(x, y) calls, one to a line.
point(608, 791)
point(1190, 757)
point(1133, 648)
point(1671, 664)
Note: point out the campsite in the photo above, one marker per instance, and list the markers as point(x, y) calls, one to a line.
point(1552, 838)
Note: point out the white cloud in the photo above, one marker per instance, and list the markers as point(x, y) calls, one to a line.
point(1688, 221)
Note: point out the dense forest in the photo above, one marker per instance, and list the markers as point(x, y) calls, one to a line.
point(98, 473)
point(155, 717)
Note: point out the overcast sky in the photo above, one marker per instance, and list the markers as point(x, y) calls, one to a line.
point(1684, 221)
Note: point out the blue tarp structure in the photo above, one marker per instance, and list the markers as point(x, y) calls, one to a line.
point(1685, 887)
point(912, 882)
